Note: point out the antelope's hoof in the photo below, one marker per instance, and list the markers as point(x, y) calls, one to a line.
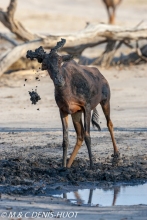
point(116, 155)
point(116, 158)
point(91, 166)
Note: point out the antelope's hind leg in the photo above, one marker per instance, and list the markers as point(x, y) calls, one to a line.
point(106, 110)
point(77, 121)
point(87, 118)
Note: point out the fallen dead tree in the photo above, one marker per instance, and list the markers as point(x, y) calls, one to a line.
point(113, 36)
point(76, 44)
point(133, 58)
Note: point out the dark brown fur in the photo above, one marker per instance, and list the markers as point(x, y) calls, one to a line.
point(83, 85)
point(78, 89)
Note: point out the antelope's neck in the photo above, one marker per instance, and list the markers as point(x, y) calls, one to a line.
point(58, 80)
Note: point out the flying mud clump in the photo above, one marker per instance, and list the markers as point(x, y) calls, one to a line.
point(34, 97)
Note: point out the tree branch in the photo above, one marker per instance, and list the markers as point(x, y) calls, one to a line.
point(10, 40)
point(11, 9)
point(7, 18)
point(139, 52)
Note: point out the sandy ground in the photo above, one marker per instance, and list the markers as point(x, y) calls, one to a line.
point(56, 206)
point(128, 101)
point(30, 139)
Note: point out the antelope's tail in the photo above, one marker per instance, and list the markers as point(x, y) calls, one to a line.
point(95, 119)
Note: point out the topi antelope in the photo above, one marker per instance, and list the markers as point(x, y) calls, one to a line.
point(111, 7)
point(78, 89)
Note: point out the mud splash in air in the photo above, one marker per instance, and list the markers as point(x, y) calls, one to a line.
point(34, 97)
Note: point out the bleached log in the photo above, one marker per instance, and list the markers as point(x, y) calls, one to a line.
point(76, 43)
point(15, 54)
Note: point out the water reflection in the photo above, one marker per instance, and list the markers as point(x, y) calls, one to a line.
point(116, 195)
point(80, 201)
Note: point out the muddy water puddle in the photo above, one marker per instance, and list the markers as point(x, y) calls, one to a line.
point(116, 195)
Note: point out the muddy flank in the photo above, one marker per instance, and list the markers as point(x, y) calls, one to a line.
point(38, 159)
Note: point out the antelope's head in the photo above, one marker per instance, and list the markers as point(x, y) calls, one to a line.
point(51, 61)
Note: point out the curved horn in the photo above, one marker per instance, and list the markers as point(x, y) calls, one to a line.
point(59, 45)
point(39, 54)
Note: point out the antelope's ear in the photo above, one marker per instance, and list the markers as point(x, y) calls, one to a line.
point(67, 58)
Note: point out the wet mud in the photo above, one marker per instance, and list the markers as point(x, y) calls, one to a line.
point(16, 171)
point(29, 165)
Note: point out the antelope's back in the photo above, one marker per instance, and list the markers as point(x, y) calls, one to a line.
point(78, 72)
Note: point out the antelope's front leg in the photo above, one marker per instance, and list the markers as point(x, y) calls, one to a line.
point(64, 119)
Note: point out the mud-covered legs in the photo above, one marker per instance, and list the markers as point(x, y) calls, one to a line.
point(64, 119)
point(77, 121)
point(82, 134)
point(87, 118)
